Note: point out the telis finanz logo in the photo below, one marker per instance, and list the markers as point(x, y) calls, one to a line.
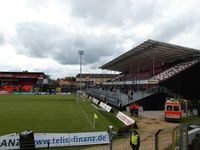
point(56, 139)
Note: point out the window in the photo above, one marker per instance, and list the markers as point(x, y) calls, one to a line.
point(176, 108)
point(169, 108)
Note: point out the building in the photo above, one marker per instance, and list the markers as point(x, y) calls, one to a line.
point(94, 79)
point(20, 81)
point(150, 72)
point(66, 85)
point(65, 82)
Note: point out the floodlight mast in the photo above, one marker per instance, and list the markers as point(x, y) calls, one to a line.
point(81, 52)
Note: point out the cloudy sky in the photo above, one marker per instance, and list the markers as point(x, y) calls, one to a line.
point(45, 35)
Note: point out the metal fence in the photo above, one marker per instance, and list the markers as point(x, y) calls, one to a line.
point(180, 138)
point(122, 142)
point(117, 97)
point(161, 139)
point(165, 139)
point(147, 140)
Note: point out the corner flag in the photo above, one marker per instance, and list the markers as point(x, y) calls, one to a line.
point(95, 116)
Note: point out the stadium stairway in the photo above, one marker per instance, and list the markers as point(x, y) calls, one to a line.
point(118, 99)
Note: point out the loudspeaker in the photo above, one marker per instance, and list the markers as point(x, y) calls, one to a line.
point(26, 140)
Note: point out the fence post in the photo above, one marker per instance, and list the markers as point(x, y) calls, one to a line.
point(174, 139)
point(48, 145)
point(185, 138)
point(111, 134)
point(156, 139)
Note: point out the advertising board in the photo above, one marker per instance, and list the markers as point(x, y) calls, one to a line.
point(124, 118)
point(95, 100)
point(105, 106)
point(42, 140)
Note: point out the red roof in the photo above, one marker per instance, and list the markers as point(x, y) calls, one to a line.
point(38, 75)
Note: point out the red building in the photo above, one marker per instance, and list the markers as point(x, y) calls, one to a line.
point(20, 81)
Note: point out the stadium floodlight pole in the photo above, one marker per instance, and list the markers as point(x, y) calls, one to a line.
point(153, 65)
point(81, 52)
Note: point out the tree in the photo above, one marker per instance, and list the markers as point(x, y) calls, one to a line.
point(52, 84)
point(69, 78)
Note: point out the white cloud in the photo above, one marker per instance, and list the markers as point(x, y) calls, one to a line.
point(45, 35)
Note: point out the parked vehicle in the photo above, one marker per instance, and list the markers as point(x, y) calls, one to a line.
point(172, 110)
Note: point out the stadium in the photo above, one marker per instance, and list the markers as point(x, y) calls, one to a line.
point(150, 72)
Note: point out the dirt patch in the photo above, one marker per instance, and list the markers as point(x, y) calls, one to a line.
point(153, 120)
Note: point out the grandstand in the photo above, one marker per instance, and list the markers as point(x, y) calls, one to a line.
point(19, 81)
point(151, 72)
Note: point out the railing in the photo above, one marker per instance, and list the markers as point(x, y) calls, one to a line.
point(118, 98)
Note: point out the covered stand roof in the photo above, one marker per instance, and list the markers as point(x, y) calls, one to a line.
point(95, 75)
point(148, 54)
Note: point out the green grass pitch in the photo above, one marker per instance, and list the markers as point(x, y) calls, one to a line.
point(50, 114)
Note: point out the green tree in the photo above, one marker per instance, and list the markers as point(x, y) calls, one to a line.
point(69, 78)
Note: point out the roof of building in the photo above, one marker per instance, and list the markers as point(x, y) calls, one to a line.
point(4, 74)
point(150, 53)
point(95, 75)
point(24, 72)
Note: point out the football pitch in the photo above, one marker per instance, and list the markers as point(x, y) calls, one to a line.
point(51, 114)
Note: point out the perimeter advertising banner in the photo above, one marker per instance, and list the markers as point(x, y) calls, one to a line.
point(11, 141)
point(95, 100)
point(124, 118)
point(105, 106)
point(3, 92)
point(153, 81)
